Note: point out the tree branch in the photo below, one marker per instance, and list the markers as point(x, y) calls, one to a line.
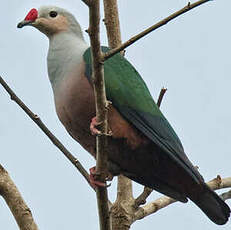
point(112, 23)
point(164, 201)
point(141, 199)
point(152, 28)
point(218, 183)
point(122, 208)
point(15, 202)
point(161, 95)
point(114, 39)
point(226, 195)
point(43, 127)
point(101, 112)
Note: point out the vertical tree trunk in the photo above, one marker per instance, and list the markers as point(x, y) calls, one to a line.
point(121, 210)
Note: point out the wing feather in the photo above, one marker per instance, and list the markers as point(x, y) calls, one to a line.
point(130, 96)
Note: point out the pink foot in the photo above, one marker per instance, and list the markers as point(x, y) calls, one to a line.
point(93, 125)
point(94, 183)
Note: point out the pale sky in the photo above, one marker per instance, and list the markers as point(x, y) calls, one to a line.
point(190, 56)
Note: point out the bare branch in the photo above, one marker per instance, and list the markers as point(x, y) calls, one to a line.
point(164, 201)
point(112, 23)
point(43, 127)
point(153, 207)
point(101, 113)
point(124, 189)
point(15, 202)
point(122, 209)
point(152, 28)
point(161, 95)
point(218, 183)
point(141, 199)
point(226, 195)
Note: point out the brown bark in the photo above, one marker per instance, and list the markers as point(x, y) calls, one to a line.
point(101, 113)
point(112, 23)
point(15, 202)
point(122, 209)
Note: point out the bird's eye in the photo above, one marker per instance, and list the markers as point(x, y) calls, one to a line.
point(53, 14)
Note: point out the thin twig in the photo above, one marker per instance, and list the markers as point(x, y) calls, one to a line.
point(141, 199)
point(161, 95)
point(101, 113)
point(164, 201)
point(226, 195)
point(44, 128)
point(152, 28)
point(15, 202)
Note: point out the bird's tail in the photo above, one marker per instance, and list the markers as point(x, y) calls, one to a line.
point(213, 206)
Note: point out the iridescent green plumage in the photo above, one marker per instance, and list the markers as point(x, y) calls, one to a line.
point(166, 167)
point(129, 94)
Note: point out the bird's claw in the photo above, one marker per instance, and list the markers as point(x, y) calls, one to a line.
point(93, 125)
point(109, 177)
point(95, 131)
point(109, 133)
point(94, 183)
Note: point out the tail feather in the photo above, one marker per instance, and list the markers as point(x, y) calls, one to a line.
point(213, 206)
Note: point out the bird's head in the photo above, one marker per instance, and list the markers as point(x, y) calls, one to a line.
point(51, 20)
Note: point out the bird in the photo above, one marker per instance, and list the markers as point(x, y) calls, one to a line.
point(143, 146)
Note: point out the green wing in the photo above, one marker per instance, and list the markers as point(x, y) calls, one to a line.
point(129, 94)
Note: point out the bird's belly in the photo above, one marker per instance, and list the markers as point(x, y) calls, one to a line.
point(129, 152)
point(75, 108)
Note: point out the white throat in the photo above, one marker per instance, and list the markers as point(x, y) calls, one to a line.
point(65, 53)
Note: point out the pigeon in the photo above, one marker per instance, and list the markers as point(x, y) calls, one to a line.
point(143, 145)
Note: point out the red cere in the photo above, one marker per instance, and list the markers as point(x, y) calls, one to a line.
point(32, 15)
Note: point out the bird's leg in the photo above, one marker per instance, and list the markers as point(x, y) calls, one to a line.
point(109, 177)
point(93, 125)
point(94, 183)
point(94, 130)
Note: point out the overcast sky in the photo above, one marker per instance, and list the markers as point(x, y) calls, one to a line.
point(190, 56)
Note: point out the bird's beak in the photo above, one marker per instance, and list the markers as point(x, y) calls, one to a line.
point(24, 23)
point(29, 19)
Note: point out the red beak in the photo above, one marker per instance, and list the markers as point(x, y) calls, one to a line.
point(29, 19)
